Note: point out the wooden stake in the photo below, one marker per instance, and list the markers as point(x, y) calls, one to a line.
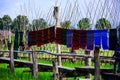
point(10, 47)
point(56, 15)
point(55, 70)
point(35, 65)
point(97, 63)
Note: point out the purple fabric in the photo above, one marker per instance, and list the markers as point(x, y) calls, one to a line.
point(90, 39)
point(69, 38)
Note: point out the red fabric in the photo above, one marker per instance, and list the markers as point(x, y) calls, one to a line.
point(40, 37)
point(58, 38)
point(76, 39)
point(83, 39)
point(51, 34)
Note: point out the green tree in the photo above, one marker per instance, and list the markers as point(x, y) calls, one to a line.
point(20, 23)
point(39, 24)
point(66, 24)
point(84, 24)
point(102, 23)
point(6, 22)
point(1, 24)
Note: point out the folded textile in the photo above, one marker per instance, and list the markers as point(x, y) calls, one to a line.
point(64, 36)
point(69, 38)
point(21, 39)
point(31, 38)
point(76, 40)
point(105, 39)
point(58, 38)
point(119, 35)
point(90, 40)
point(97, 38)
point(112, 39)
point(16, 44)
point(83, 39)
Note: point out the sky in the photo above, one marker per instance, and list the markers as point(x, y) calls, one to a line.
point(73, 10)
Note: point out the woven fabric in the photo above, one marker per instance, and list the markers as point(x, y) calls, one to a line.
point(83, 39)
point(31, 38)
point(90, 39)
point(112, 39)
point(105, 39)
point(64, 36)
point(69, 38)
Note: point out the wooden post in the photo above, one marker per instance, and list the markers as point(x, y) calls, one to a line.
point(97, 63)
point(56, 15)
point(88, 62)
point(35, 65)
point(55, 70)
point(10, 47)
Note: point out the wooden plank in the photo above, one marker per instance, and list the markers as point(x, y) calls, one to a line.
point(97, 63)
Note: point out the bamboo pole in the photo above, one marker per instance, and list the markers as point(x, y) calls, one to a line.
point(97, 63)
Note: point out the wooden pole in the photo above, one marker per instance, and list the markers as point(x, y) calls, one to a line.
point(87, 63)
point(10, 47)
point(97, 63)
point(35, 65)
point(56, 15)
point(55, 70)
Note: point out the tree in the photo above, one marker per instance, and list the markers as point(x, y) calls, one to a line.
point(1, 24)
point(66, 24)
point(20, 23)
point(6, 22)
point(102, 23)
point(84, 24)
point(39, 24)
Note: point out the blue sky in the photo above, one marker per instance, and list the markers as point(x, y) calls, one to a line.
point(40, 8)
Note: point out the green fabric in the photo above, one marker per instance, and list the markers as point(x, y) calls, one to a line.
point(64, 36)
point(16, 44)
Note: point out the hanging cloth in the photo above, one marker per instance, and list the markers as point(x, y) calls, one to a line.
point(76, 40)
point(58, 38)
point(51, 34)
point(97, 38)
point(31, 38)
point(64, 36)
point(105, 39)
point(40, 37)
point(69, 38)
point(21, 39)
point(90, 39)
point(112, 39)
point(119, 35)
point(16, 44)
point(83, 39)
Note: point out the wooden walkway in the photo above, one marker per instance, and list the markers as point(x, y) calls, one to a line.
point(64, 71)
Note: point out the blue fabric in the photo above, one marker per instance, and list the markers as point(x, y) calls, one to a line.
point(90, 39)
point(105, 39)
point(119, 36)
point(97, 37)
point(69, 38)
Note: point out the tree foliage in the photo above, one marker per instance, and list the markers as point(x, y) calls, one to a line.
point(6, 22)
point(20, 23)
point(1, 24)
point(84, 24)
point(66, 24)
point(102, 23)
point(39, 24)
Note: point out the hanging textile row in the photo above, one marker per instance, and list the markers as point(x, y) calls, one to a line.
point(75, 39)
